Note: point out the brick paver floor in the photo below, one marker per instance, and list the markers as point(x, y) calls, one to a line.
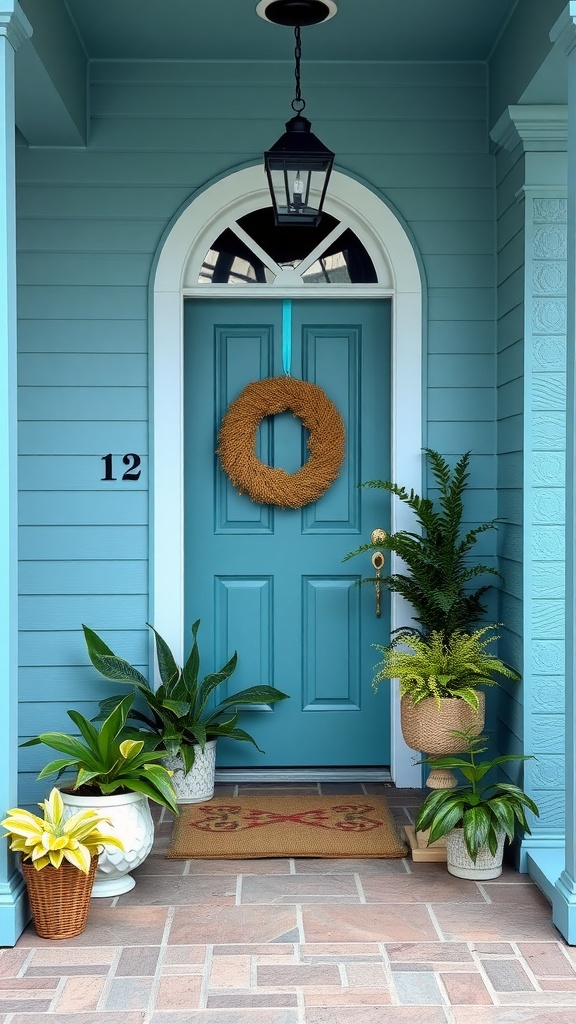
point(289, 941)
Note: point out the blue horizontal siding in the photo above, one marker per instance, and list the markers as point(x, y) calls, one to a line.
point(461, 336)
point(49, 301)
point(86, 438)
point(77, 369)
point(462, 403)
point(90, 234)
point(78, 542)
point(84, 268)
point(65, 684)
point(448, 303)
point(83, 403)
point(456, 370)
point(211, 102)
point(83, 577)
point(74, 335)
point(181, 168)
point(69, 611)
point(67, 648)
point(78, 472)
point(117, 507)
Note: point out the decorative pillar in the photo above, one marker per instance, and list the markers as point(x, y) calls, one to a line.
point(564, 895)
point(537, 135)
point(14, 29)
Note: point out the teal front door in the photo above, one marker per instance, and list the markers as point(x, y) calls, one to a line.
point(270, 582)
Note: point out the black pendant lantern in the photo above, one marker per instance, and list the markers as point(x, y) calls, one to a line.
point(298, 165)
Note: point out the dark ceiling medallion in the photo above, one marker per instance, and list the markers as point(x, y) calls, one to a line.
point(296, 12)
point(298, 165)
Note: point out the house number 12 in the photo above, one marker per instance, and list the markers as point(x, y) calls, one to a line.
point(131, 460)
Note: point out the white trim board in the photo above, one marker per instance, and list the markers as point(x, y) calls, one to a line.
point(181, 253)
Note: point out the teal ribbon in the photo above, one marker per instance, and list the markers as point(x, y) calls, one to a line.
point(287, 335)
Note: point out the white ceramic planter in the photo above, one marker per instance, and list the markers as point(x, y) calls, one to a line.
point(460, 863)
point(198, 784)
point(132, 823)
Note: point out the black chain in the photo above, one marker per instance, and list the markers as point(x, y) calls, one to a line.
point(298, 103)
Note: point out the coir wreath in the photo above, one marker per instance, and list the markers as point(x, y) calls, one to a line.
point(237, 442)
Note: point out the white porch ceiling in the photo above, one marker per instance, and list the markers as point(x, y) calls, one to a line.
point(230, 29)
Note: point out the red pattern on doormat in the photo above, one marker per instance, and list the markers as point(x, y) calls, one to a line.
point(340, 817)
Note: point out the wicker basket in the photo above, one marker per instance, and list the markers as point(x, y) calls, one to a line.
point(427, 727)
point(59, 898)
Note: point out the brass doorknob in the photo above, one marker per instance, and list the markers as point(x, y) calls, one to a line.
point(378, 536)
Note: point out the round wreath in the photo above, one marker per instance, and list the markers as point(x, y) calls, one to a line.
point(237, 442)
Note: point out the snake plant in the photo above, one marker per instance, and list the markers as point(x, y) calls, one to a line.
point(179, 714)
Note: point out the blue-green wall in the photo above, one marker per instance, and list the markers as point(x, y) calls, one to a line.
point(89, 222)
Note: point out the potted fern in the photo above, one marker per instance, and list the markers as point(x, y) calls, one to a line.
point(439, 696)
point(180, 713)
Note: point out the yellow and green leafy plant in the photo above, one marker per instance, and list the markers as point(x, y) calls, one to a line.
point(51, 839)
point(107, 759)
point(436, 666)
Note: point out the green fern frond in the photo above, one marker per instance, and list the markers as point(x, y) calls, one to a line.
point(439, 572)
point(428, 666)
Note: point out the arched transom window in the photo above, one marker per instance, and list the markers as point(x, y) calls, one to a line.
point(253, 250)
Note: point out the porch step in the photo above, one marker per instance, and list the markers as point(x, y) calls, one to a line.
point(303, 775)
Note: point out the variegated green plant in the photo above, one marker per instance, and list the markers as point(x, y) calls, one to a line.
point(436, 666)
point(108, 760)
point(481, 811)
point(51, 839)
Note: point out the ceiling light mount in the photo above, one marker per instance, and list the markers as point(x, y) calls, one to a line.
point(294, 13)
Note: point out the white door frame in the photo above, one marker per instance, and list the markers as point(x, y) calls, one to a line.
point(173, 278)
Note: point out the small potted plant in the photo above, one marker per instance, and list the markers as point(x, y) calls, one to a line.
point(59, 859)
point(180, 714)
point(116, 774)
point(439, 680)
point(476, 818)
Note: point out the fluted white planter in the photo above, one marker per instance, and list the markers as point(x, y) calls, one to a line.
point(131, 822)
point(197, 785)
point(460, 863)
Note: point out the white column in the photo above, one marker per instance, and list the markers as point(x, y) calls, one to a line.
point(14, 29)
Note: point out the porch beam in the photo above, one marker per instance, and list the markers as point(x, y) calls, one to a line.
point(14, 30)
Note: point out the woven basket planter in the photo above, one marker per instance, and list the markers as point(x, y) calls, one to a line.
point(427, 727)
point(59, 898)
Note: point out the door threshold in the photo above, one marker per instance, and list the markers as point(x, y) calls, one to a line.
point(303, 775)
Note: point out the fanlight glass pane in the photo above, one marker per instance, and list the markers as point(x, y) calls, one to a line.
point(346, 261)
point(230, 261)
point(287, 246)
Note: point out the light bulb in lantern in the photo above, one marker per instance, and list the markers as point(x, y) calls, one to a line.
point(298, 191)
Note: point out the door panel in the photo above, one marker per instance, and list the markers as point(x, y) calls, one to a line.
point(270, 582)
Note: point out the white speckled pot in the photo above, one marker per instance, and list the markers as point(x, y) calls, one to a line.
point(131, 823)
point(198, 784)
point(460, 863)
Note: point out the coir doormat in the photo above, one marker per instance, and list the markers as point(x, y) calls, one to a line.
point(286, 826)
